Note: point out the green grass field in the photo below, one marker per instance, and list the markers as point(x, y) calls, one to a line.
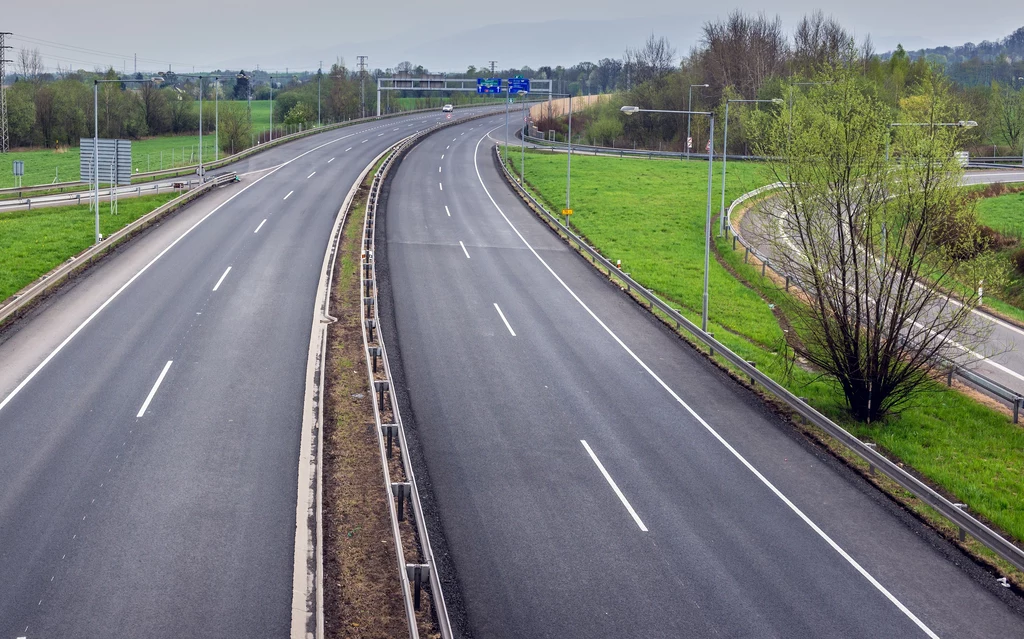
point(1004, 213)
point(34, 242)
point(650, 214)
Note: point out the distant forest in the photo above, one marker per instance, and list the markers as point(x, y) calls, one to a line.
point(978, 64)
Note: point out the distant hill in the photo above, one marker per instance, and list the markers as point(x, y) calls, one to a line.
point(1009, 49)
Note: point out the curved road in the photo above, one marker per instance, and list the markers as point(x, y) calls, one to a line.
point(150, 415)
point(594, 477)
point(1000, 359)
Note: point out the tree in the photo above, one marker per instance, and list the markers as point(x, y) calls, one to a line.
point(301, 113)
point(1008, 113)
point(235, 128)
point(874, 244)
point(241, 91)
point(30, 64)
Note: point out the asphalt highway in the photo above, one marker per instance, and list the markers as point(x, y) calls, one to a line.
point(150, 415)
point(1000, 358)
point(593, 476)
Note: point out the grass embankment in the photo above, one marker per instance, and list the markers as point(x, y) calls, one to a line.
point(650, 215)
point(35, 242)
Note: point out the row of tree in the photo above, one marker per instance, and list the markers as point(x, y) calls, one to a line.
point(751, 57)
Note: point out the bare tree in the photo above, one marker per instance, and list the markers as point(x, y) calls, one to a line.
point(820, 41)
point(30, 64)
point(742, 51)
point(652, 60)
point(875, 245)
point(1008, 112)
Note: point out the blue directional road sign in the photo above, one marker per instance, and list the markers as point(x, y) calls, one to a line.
point(488, 85)
point(515, 85)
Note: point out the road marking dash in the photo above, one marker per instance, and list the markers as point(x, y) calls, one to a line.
point(260, 226)
point(152, 393)
point(331, 160)
point(615, 488)
point(311, 175)
point(221, 280)
point(502, 315)
point(467, 254)
point(447, 211)
point(289, 195)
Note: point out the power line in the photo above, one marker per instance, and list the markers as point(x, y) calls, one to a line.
point(119, 56)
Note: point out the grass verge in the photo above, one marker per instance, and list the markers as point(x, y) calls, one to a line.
point(35, 242)
point(651, 215)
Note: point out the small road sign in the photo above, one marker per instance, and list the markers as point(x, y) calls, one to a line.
point(566, 211)
point(488, 85)
point(18, 168)
point(515, 85)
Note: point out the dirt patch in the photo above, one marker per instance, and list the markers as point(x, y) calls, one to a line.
point(362, 593)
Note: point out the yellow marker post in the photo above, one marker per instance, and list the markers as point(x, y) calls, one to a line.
point(566, 211)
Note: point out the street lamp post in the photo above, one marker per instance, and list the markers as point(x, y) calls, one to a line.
point(522, 141)
point(216, 121)
point(725, 155)
point(630, 110)
point(962, 124)
point(508, 100)
point(319, 76)
point(96, 142)
point(689, 105)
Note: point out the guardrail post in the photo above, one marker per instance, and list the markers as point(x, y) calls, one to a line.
point(872, 446)
point(1016, 409)
point(418, 573)
point(402, 491)
point(368, 283)
point(370, 325)
point(746, 254)
point(390, 431)
point(380, 386)
point(368, 302)
point(752, 365)
point(949, 375)
point(764, 265)
point(734, 242)
point(787, 282)
point(374, 353)
point(963, 533)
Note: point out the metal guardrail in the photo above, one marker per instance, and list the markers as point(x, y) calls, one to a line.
point(955, 513)
point(992, 387)
point(583, 149)
point(42, 285)
point(378, 369)
point(104, 193)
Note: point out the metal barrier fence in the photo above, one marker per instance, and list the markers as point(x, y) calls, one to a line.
point(954, 512)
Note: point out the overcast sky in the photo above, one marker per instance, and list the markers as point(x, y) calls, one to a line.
point(440, 35)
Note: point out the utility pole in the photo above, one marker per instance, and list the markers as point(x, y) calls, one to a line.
point(362, 85)
point(136, 69)
point(493, 62)
point(5, 140)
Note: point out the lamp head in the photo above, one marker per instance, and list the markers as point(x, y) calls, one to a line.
point(629, 110)
point(968, 124)
point(778, 101)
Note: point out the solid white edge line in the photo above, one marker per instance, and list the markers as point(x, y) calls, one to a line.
point(221, 280)
point(507, 325)
point(896, 602)
point(260, 226)
point(311, 175)
point(611, 482)
point(289, 195)
point(117, 293)
point(464, 249)
point(152, 393)
point(447, 211)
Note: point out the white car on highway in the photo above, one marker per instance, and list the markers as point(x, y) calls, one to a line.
point(447, 108)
